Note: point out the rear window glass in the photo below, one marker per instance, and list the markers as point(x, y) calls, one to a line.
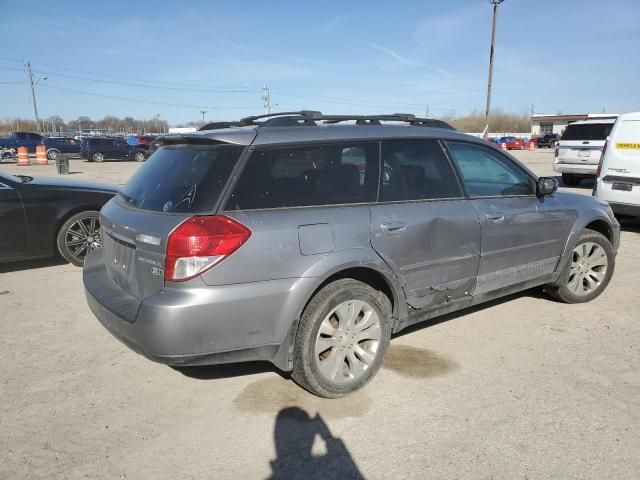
point(304, 176)
point(587, 131)
point(182, 178)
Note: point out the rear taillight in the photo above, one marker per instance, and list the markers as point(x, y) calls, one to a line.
point(199, 243)
point(604, 150)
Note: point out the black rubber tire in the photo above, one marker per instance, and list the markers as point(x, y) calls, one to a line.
point(305, 372)
point(95, 156)
point(560, 290)
point(139, 157)
point(570, 180)
point(52, 157)
point(60, 243)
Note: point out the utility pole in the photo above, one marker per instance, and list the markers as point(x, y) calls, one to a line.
point(266, 99)
point(426, 111)
point(203, 112)
point(33, 95)
point(495, 4)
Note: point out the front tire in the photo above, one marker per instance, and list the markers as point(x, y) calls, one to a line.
point(342, 338)
point(98, 157)
point(589, 271)
point(139, 157)
point(78, 236)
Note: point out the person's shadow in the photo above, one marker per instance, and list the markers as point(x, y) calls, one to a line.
point(295, 433)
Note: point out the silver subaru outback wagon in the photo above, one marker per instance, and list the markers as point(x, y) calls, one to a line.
point(308, 240)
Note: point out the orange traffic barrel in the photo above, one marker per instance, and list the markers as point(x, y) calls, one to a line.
point(532, 145)
point(41, 155)
point(23, 156)
point(503, 146)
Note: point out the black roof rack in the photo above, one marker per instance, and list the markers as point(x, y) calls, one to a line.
point(311, 117)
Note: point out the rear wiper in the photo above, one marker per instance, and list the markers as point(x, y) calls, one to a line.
point(25, 178)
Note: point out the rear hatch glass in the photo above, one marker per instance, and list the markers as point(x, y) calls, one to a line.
point(182, 178)
point(590, 131)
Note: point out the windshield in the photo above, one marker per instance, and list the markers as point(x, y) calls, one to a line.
point(587, 131)
point(182, 178)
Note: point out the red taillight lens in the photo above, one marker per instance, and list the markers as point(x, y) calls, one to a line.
point(201, 242)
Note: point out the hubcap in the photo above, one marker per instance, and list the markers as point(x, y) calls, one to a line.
point(588, 268)
point(347, 341)
point(83, 236)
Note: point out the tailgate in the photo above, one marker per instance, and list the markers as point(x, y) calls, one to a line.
point(134, 243)
point(582, 152)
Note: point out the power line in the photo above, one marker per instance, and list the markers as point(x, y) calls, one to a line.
point(150, 102)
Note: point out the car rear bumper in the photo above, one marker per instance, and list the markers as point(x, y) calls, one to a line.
point(196, 326)
point(575, 169)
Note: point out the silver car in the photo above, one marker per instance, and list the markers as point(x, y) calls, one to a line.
point(308, 240)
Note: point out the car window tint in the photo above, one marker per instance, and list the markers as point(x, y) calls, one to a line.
point(489, 173)
point(182, 178)
point(416, 169)
point(587, 131)
point(305, 176)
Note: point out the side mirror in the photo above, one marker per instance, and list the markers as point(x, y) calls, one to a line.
point(547, 186)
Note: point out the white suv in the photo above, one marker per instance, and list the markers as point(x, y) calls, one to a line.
point(579, 149)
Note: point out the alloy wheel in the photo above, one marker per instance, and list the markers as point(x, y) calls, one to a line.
point(347, 341)
point(83, 236)
point(588, 268)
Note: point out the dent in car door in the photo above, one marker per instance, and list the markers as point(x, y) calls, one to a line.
point(13, 224)
point(522, 234)
point(424, 228)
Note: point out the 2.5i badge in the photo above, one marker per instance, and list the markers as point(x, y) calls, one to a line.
point(157, 271)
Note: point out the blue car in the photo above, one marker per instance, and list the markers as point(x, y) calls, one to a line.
point(56, 145)
point(99, 149)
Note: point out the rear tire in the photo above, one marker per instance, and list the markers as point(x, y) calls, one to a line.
point(588, 273)
point(98, 157)
point(78, 236)
point(139, 157)
point(342, 338)
point(570, 180)
point(52, 155)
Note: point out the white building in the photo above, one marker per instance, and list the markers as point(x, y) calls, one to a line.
point(541, 123)
point(182, 129)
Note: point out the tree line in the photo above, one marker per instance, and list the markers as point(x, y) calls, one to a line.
point(499, 121)
point(109, 123)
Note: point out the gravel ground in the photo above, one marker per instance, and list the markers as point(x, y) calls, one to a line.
point(521, 388)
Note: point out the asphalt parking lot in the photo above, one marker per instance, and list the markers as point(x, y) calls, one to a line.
point(522, 388)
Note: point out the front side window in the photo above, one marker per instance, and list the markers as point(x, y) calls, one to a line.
point(489, 174)
point(304, 176)
point(416, 170)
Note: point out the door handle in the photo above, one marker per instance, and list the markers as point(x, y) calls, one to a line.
point(393, 228)
point(495, 218)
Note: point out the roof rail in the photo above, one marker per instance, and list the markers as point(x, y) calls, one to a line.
point(310, 117)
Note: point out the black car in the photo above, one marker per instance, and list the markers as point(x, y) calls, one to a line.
point(39, 216)
point(56, 145)
point(547, 140)
point(99, 149)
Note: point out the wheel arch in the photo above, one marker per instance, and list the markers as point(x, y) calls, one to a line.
point(362, 265)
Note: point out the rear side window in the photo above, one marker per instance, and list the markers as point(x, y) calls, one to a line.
point(416, 170)
point(182, 178)
point(304, 176)
point(587, 131)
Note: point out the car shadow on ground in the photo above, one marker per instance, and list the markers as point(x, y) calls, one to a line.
point(306, 449)
point(628, 224)
point(30, 264)
point(229, 370)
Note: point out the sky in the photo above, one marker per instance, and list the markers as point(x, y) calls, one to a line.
point(175, 59)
